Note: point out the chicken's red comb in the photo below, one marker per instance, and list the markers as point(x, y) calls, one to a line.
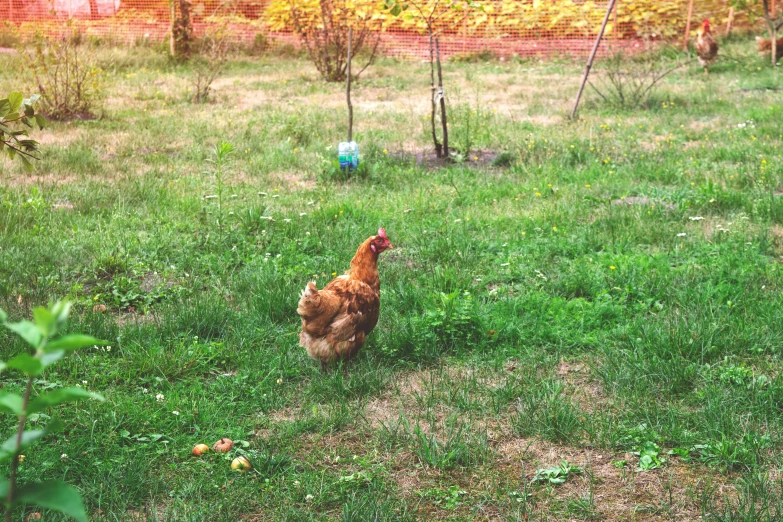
point(382, 233)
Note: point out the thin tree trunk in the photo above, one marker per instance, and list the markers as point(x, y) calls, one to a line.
point(688, 25)
point(609, 8)
point(432, 96)
point(348, 86)
point(443, 120)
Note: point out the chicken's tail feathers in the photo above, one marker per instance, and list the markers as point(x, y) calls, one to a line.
point(310, 289)
point(310, 301)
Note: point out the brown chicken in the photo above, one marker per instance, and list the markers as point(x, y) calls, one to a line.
point(765, 46)
point(337, 319)
point(706, 45)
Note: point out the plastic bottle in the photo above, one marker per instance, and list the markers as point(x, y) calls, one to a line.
point(344, 152)
point(349, 155)
point(354, 155)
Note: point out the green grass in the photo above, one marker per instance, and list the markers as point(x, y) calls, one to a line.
point(578, 292)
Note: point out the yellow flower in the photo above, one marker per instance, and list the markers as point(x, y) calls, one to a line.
point(334, 274)
point(385, 151)
point(554, 228)
point(341, 212)
point(611, 267)
point(538, 194)
point(587, 186)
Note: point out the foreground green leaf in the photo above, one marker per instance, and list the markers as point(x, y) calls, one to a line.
point(26, 363)
point(73, 342)
point(10, 403)
point(28, 331)
point(61, 396)
point(55, 495)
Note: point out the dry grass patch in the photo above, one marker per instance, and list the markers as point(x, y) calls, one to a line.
point(618, 493)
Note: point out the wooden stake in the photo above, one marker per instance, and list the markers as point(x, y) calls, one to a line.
point(688, 25)
point(592, 56)
point(433, 91)
point(614, 24)
point(348, 87)
point(442, 102)
point(730, 20)
point(172, 43)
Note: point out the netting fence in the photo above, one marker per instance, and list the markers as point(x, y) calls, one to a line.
point(502, 27)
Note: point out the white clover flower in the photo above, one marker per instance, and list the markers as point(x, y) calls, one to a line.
point(681, 234)
point(159, 397)
point(64, 456)
point(175, 412)
point(308, 498)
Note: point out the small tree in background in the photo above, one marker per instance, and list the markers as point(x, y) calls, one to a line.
point(432, 14)
point(213, 51)
point(66, 75)
point(322, 26)
point(16, 113)
point(763, 9)
point(181, 31)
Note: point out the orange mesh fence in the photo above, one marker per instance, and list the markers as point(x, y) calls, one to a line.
point(502, 27)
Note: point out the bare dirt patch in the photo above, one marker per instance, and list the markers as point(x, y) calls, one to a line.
point(581, 386)
point(619, 493)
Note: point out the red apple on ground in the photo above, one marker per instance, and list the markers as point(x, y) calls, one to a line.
point(224, 445)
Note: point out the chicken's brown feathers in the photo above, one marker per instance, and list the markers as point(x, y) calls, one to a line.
point(706, 45)
point(337, 319)
point(765, 45)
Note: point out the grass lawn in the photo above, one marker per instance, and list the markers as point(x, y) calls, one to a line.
point(602, 297)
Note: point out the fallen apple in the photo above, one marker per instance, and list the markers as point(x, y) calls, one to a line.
point(241, 464)
point(224, 445)
point(200, 449)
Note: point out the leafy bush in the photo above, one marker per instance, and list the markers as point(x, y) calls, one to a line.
point(44, 336)
point(66, 74)
point(322, 26)
point(16, 110)
point(181, 28)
